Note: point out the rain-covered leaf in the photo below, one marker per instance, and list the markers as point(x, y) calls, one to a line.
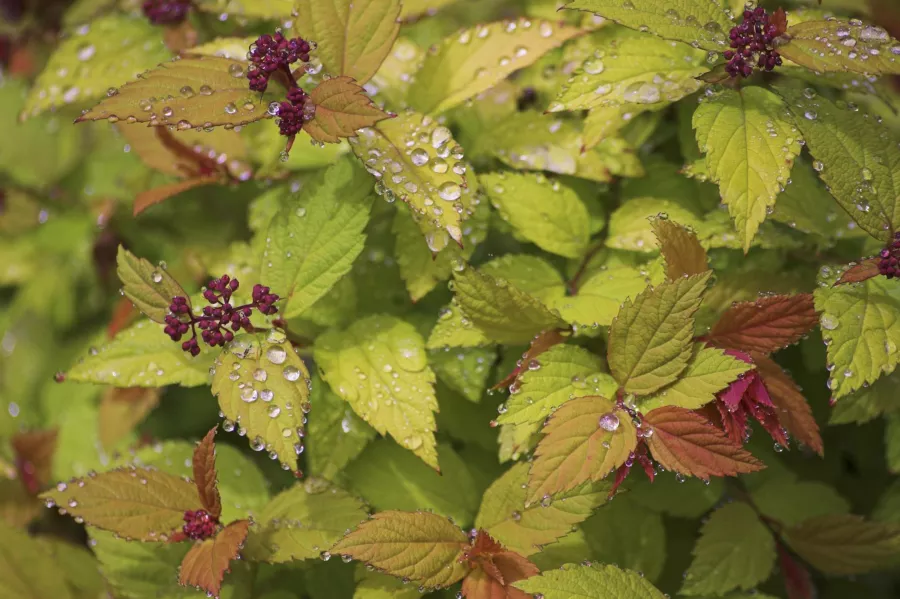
point(601, 294)
point(792, 409)
point(839, 45)
point(257, 9)
point(379, 366)
point(682, 250)
point(262, 387)
point(205, 565)
point(845, 544)
point(769, 324)
point(342, 108)
point(590, 582)
point(205, 477)
point(149, 287)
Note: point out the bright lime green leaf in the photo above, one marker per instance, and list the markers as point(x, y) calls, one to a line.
point(861, 331)
point(677, 496)
point(302, 521)
point(650, 340)
point(149, 287)
point(735, 551)
point(413, 8)
point(379, 366)
point(750, 143)
point(454, 329)
point(710, 370)
point(313, 242)
point(235, 48)
point(353, 37)
point(263, 387)
point(855, 157)
point(570, 549)
point(428, 178)
point(869, 402)
point(548, 214)
point(561, 373)
point(336, 434)
point(99, 55)
point(701, 22)
point(629, 75)
point(75, 414)
point(839, 45)
point(517, 439)
point(257, 9)
point(892, 443)
point(389, 478)
point(631, 229)
point(27, 569)
point(601, 295)
point(791, 502)
point(375, 585)
point(474, 60)
point(525, 529)
point(267, 144)
point(503, 312)
point(629, 535)
point(464, 370)
point(396, 74)
point(143, 356)
point(532, 274)
point(589, 582)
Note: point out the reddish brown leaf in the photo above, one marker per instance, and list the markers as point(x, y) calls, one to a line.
point(205, 564)
point(865, 270)
point(539, 345)
point(148, 198)
point(686, 442)
point(121, 409)
point(797, 579)
point(495, 569)
point(342, 108)
point(791, 408)
point(766, 325)
point(779, 19)
point(34, 457)
point(181, 37)
point(205, 474)
point(123, 315)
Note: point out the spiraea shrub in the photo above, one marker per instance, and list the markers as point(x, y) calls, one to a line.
point(483, 299)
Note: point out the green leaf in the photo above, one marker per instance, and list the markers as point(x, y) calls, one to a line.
point(78, 567)
point(532, 274)
point(703, 23)
point(710, 370)
point(235, 48)
point(426, 177)
point(379, 366)
point(750, 143)
point(869, 402)
point(466, 371)
point(390, 478)
point(149, 287)
point(735, 551)
point(302, 521)
point(143, 356)
point(839, 45)
point(678, 497)
point(336, 434)
point(258, 9)
point(855, 157)
point(353, 37)
point(503, 312)
point(631, 228)
point(525, 530)
point(590, 582)
point(189, 93)
point(140, 570)
point(561, 373)
point(313, 242)
point(454, 329)
point(550, 215)
point(892, 443)
point(375, 585)
point(861, 332)
point(650, 340)
point(601, 295)
point(791, 502)
point(420, 546)
point(27, 569)
point(627, 77)
point(629, 535)
point(98, 56)
point(263, 387)
point(844, 544)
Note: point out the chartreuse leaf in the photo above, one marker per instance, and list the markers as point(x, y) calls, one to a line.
point(314, 241)
point(455, 329)
point(650, 339)
point(855, 157)
point(258, 9)
point(380, 368)
point(342, 107)
point(149, 287)
point(561, 373)
point(143, 356)
point(473, 60)
point(640, 72)
point(389, 478)
point(750, 143)
point(532, 274)
point(839, 45)
point(420, 546)
point(416, 159)
point(677, 497)
point(464, 370)
point(525, 530)
point(709, 371)
point(790, 501)
point(703, 23)
point(353, 37)
point(590, 582)
point(263, 386)
point(735, 551)
point(336, 435)
point(27, 569)
point(375, 585)
point(845, 544)
point(302, 522)
point(99, 55)
point(586, 439)
point(190, 93)
point(861, 332)
point(601, 295)
point(139, 503)
point(869, 402)
point(504, 313)
point(234, 48)
point(631, 228)
point(629, 535)
point(205, 565)
point(139, 570)
point(550, 215)
point(681, 249)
